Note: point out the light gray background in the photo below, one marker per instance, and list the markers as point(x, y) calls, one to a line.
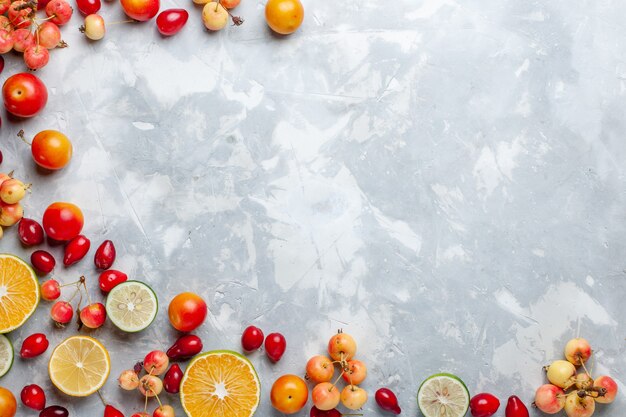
point(442, 179)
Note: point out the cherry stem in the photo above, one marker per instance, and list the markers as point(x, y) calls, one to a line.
point(20, 135)
point(84, 282)
point(585, 368)
point(145, 404)
point(71, 283)
point(120, 22)
point(101, 398)
point(336, 380)
point(157, 398)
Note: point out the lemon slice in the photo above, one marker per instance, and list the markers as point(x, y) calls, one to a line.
point(443, 395)
point(19, 292)
point(79, 366)
point(6, 355)
point(220, 383)
point(132, 306)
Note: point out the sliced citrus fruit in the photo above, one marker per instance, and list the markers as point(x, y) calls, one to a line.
point(79, 366)
point(132, 306)
point(443, 395)
point(6, 355)
point(19, 292)
point(220, 383)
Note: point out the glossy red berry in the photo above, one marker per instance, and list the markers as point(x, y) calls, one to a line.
point(110, 411)
point(316, 412)
point(43, 261)
point(185, 347)
point(171, 21)
point(54, 411)
point(75, 250)
point(252, 338)
point(105, 255)
point(515, 408)
point(110, 279)
point(387, 400)
point(33, 397)
point(484, 405)
point(34, 345)
point(30, 232)
point(172, 379)
point(62, 312)
point(50, 290)
point(275, 346)
point(87, 7)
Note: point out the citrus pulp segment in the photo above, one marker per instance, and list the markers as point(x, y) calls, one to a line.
point(443, 395)
point(79, 366)
point(6, 355)
point(19, 292)
point(220, 383)
point(132, 306)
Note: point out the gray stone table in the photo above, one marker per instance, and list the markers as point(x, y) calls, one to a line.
point(442, 179)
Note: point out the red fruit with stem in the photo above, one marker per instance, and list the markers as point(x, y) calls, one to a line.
point(59, 11)
point(515, 408)
point(172, 379)
point(110, 279)
point(110, 411)
point(33, 397)
point(34, 345)
point(36, 57)
point(88, 7)
point(275, 346)
point(30, 232)
point(42, 261)
point(94, 27)
point(49, 35)
point(171, 21)
point(93, 316)
point(549, 398)
point(341, 347)
point(23, 39)
point(76, 249)
point(319, 368)
point(156, 362)
point(6, 44)
point(387, 400)
point(13, 190)
point(325, 396)
point(164, 411)
point(252, 338)
point(62, 312)
point(357, 372)
point(577, 351)
point(185, 347)
point(50, 290)
point(609, 385)
point(105, 255)
point(20, 16)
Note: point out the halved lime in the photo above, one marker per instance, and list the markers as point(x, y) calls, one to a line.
point(443, 395)
point(6, 355)
point(132, 306)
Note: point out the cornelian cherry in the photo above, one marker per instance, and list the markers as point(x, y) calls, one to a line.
point(484, 405)
point(42, 261)
point(75, 250)
point(33, 397)
point(275, 346)
point(87, 7)
point(110, 411)
point(54, 411)
point(515, 408)
point(172, 379)
point(110, 279)
point(30, 232)
point(34, 345)
point(105, 255)
point(171, 21)
point(387, 400)
point(316, 412)
point(185, 347)
point(252, 338)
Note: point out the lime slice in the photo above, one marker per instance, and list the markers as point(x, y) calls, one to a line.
point(6, 355)
point(132, 306)
point(443, 395)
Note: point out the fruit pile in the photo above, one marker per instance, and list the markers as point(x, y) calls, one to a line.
point(575, 392)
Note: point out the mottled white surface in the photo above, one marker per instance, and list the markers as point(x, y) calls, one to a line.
point(442, 179)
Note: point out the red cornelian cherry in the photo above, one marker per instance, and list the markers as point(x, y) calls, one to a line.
point(50, 290)
point(515, 408)
point(110, 411)
point(316, 412)
point(171, 21)
point(105, 255)
point(172, 379)
point(484, 405)
point(54, 411)
point(30, 232)
point(33, 397)
point(42, 261)
point(110, 279)
point(34, 345)
point(62, 312)
point(87, 7)
point(252, 338)
point(387, 400)
point(75, 250)
point(185, 347)
point(275, 346)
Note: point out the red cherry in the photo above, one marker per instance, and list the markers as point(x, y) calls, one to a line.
point(54, 411)
point(87, 7)
point(172, 379)
point(110, 279)
point(185, 347)
point(105, 255)
point(387, 400)
point(316, 412)
point(33, 397)
point(515, 408)
point(30, 232)
point(75, 250)
point(34, 345)
point(42, 261)
point(171, 21)
point(275, 345)
point(252, 338)
point(110, 411)
point(484, 405)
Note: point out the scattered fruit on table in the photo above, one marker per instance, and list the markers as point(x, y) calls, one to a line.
point(75, 250)
point(21, 292)
point(252, 339)
point(24, 94)
point(171, 21)
point(94, 27)
point(275, 346)
point(289, 394)
point(284, 16)
point(105, 255)
point(132, 306)
point(443, 395)
point(79, 366)
point(110, 279)
point(229, 377)
point(30, 232)
point(387, 400)
point(484, 405)
point(187, 311)
point(8, 404)
point(185, 347)
point(32, 396)
point(515, 408)
point(42, 261)
point(141, 10)
point(63, 221)
point(34, 345)
point(6, 355)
